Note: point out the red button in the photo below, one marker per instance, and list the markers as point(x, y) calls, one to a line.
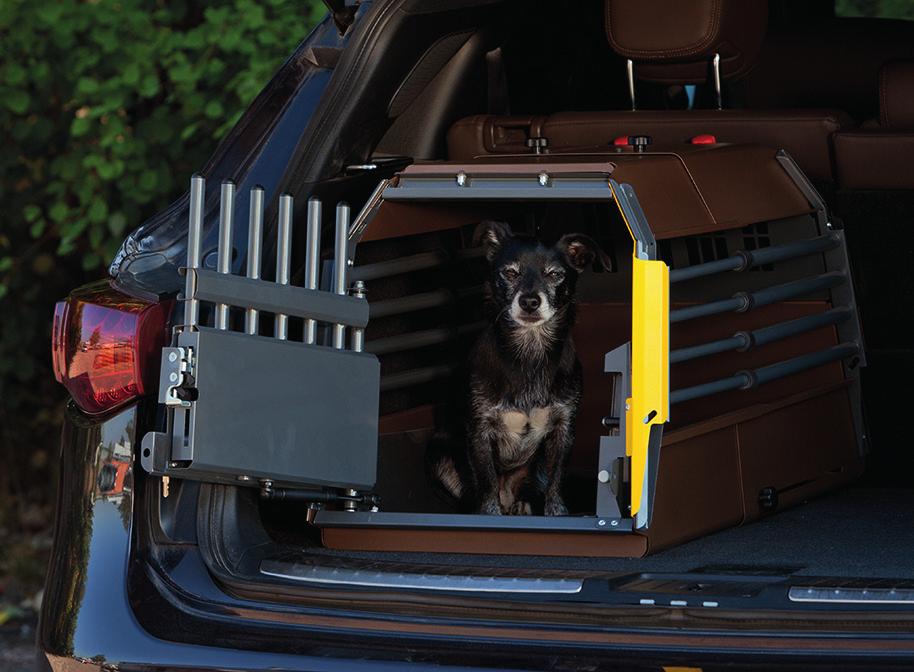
point(704, 139)
point(621, 141)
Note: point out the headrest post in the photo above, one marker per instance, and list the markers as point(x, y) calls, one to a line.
point(630, 71)
point(715, 66)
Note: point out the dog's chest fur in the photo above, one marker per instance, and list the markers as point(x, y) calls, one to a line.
point(521, 434)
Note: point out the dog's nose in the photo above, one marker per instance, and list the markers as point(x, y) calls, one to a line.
point(529, 302)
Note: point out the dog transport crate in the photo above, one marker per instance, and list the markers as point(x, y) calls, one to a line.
point(721, 357)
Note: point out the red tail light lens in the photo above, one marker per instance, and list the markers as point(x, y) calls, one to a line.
point(106, 346)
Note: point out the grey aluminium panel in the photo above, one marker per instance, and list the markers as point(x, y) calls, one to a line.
point(282, 411)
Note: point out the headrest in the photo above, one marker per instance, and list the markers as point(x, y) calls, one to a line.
point(896, 95)
point(673, 41)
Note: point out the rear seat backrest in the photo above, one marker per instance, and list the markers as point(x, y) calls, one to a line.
point(671, 41)
point(879, 154)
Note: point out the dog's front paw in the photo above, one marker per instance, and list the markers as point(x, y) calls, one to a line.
point(521, 509)
point(555, 507)
point(490, 508)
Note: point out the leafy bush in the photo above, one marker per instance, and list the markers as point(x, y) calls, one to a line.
point(106, 108)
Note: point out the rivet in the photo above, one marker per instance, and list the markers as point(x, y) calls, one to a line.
point(172, 356)
point(173, 377)
point(601, 523)
point(603, 476)
point(614, 523)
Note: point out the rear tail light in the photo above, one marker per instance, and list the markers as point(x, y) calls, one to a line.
point(106, 346)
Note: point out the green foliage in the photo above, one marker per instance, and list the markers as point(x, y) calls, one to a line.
point(106, 108)
point(882, 9)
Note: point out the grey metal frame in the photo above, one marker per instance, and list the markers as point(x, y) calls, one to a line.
point(243, 407)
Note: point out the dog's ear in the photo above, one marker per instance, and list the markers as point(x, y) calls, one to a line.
point(581, 251)
point(491, 235)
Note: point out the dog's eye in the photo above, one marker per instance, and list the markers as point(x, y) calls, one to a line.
point(510, 274)
point(555, 274)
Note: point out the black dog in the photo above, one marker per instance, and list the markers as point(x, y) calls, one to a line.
point(524, 378)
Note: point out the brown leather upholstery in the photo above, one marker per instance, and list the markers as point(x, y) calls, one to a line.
point(880, 156)
point(672, 41)
point(896, 95)
point(805, 134)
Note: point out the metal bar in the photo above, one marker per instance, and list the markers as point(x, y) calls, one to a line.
point(744, 340)
point(746, 380)
point(735, 382)
point(340, 266)
point(411, 303)
point(746, 259)
point(224, 252)
point(735, 342)
point(396, 381)
point(358, 334)
point(774, 371)
point(369, 210)
point(745, 301)
point(482, 188)
point(715, 67)
point(194, 243)
point(420, 339)
point(255, 241)
point(272, 298)
point(630, 74)
point(312, 260)
point(283, 260)
point(776, 332)
point(392, 267)
point(444, 521)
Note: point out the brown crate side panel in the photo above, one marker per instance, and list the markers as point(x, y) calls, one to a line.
point(803, 450)
point(501, 542)
point(698, 488)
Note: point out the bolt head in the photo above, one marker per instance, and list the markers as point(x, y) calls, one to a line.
point(172, 356)
point(614, 523)
point(173, 377)
point(601, 523)
point(603, 476)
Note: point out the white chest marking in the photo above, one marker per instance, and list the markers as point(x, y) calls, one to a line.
point(523, 434)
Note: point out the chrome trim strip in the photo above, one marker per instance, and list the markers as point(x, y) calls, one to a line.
point(414, 581)
point(851, 595)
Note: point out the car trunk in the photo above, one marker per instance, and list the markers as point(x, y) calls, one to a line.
point(750, 505)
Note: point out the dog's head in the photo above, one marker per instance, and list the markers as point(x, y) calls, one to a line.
point(532, 283)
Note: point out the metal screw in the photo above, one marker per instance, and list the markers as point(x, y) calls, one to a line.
point(173, 377)
point(461, 179)
point(614, 523)
point(172, 356)
point(543, 179)
point(601, 523)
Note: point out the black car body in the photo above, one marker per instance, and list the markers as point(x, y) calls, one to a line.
point(142, 581)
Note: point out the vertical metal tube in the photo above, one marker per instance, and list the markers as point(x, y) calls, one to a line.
point(630, 72)
point(224, 251)
point(283, 254)
point(340, 266)
point(312, 260)
point(255, 240)
point(715, 66)
point(358, 334)
point(194, 242)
